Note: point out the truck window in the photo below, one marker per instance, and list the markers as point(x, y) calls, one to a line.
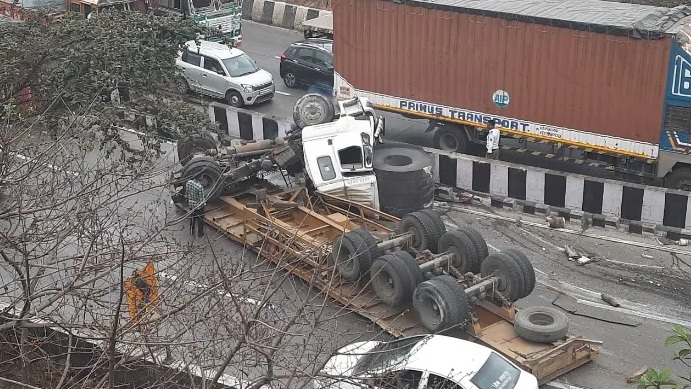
point(351, 157)
point(192, 59)
point(326, 168)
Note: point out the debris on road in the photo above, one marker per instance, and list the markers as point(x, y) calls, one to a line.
point(610, 300)
point(633, 377)
point(683, 242)
point(556, 222)
point(647, 256)
point(582, 260)
point(571, 253)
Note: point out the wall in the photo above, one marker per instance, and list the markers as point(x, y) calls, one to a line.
point(279, 14)
point(245, 124)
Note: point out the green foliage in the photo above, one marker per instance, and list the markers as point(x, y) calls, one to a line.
point(663, 378)
point(72, 67)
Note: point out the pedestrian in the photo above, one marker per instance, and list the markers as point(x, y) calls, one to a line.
point(194, 192)
point(493, 136)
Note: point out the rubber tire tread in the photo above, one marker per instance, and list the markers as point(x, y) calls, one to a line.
point(459, 293)
point(426, 229)
point(463, 247)
point(478, 240)
point(405, 272)
point(463, 143)
point(370, 243)
point(445, 300)
point(436, 218)
point(185, 146)
point(508, 270)
point(527, 269)
point(329, 108)
point(539, 333)
point(217, 188)
point(355, 244)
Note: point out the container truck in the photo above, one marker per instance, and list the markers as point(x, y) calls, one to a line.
point(612, 80)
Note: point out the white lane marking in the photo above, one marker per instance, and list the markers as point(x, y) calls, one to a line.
point(52, 167)
point(559, 385)
point(198, 285)
point(283, 93)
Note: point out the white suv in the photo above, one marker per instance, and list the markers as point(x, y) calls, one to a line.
point(219, 71)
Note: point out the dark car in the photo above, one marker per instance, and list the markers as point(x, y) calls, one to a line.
point(308, 62)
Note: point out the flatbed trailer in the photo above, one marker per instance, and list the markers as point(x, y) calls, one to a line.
point(296, 232)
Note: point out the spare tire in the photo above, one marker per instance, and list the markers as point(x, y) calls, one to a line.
point(208, 172)
point(194, 144)
point(437, 305)
point(506, 270)
point(527, 270)
point(541, 324)
point(404, 181)
point(394, 277)
point(312, 109)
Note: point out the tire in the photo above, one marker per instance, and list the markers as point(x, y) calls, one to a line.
point(370, 243)
point(290, 80)
point(193, 144)
point(507, 271)
point(312, 109)
point(465, 256)
point(461, 298)
point(394, 277)
point(234, 99)
point(541, 324)
point(351, 257)
point(679, 179)
point(478, 241)
point(400, 158)
point(437, 306)
point(451, 138)
point(208, 172)
point(425, 234)
point(527, 270)
point(436, 218)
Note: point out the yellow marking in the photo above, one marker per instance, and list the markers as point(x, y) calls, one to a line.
point(547, 139)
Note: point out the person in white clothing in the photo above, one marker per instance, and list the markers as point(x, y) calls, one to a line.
point(493, 136)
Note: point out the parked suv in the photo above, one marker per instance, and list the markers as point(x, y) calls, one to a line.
point(308, 62)
point(219, 71)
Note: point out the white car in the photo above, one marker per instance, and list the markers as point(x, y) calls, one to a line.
point(422, 362)
point(227, 73)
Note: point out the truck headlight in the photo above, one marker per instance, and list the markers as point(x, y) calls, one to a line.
point(248, 88)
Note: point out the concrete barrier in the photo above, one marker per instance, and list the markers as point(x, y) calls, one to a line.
point(635, 208)
point(246, 125)
point(278, 13)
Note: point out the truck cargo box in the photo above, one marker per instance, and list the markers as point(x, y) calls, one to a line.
point(590, 73)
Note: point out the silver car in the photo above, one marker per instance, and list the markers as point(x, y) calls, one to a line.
point(219, 71)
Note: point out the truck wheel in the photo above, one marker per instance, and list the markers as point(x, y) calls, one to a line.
point(451, 138)
point(439, 305)
point(527, 270)
point(436, 218)
point(234, 98)
point(208, 172)
point(394, 277)
point(290, 79)
point(312, 109)
point(370, 243)
point(350, 256)
point(459, 294)
point(506, 270)
point(478, 241)
point(679, 179)
point(425, 234)
point(194, 144)
point(465, 256)
point(541, 324)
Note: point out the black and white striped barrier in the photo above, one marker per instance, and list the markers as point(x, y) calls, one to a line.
point(278, 13)
point(246, 125)
point(637, 208)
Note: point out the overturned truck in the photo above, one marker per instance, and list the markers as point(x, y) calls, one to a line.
point(410, 275)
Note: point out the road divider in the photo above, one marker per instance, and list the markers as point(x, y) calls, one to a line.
point(278, 13)
point(596, 201)
point(246, 125)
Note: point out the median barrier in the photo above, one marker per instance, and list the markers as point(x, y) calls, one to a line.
point(278, 13)
point(632, 207)
point(246, 125)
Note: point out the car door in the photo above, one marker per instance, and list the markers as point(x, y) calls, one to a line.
point(192, 69)
point(306, 68)
point(325, 68)
point(213, 77)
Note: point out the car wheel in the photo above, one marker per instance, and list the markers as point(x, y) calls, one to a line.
point(290, 79)
point(234, 99)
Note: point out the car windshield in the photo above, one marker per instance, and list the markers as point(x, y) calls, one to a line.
point(496, 373)
point(386, 354)
point(241, 65)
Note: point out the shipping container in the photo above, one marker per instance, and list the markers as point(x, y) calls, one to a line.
point(593, 74)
